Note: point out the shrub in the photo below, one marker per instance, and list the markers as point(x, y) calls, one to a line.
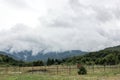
point(82, 71)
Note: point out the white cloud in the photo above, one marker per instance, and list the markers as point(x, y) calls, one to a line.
point(59, 24)
point(17, 3)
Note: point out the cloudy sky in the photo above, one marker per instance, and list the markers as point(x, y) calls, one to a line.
point(58, 25)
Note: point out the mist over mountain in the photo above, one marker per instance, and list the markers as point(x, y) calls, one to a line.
point(27, 55)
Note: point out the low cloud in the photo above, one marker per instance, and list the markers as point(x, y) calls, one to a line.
point(86, 25)
point(17, 3)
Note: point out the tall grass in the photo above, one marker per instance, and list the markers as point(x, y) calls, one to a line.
point(60, 73)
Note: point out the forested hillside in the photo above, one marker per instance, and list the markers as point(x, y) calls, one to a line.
point(5, 60)
point(109, 56)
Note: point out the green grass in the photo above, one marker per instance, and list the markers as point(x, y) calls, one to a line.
point(98, 74)
point(58, 77)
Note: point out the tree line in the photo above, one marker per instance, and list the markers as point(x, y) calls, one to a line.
point(9, 61)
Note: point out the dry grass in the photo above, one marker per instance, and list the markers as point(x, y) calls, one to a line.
point(59, 73)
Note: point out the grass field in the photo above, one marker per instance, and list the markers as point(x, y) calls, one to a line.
point(60, 73)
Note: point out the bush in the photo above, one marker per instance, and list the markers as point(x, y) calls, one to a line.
point(82, 71)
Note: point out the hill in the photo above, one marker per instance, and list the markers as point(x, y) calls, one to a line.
point(108, 56)
point(6, 60)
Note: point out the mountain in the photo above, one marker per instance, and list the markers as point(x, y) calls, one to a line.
point(109, 56)
point(27, 55)
point(115, 48)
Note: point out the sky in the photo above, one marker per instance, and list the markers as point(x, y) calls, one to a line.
point(59, 25)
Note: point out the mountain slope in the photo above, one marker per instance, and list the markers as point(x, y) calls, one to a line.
point(116, 48)
point(110, 56)
point(6, 60)
point(27, 55)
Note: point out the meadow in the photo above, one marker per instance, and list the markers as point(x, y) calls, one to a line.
point(60, 72)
